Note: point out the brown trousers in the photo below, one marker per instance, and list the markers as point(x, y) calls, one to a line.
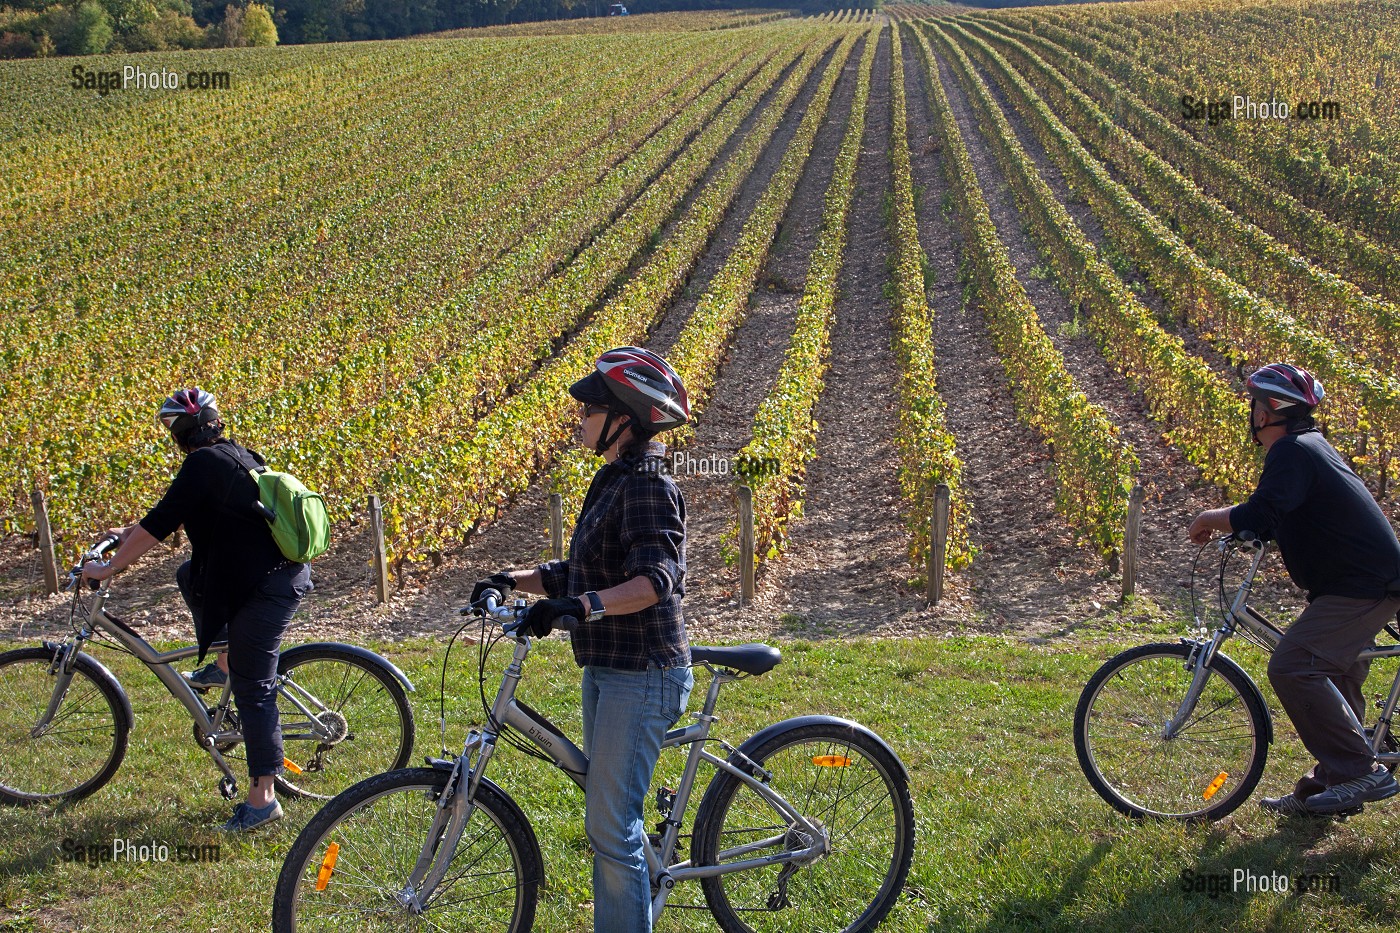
point(1322, 646)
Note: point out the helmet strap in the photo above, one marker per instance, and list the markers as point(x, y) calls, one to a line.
point(606, 440)
point(1255, 429)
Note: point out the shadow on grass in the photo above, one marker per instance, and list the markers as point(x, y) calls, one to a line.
point(1220, 890)
point(68, 828)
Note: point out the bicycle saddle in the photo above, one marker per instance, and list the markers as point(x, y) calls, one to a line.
point(753, 658)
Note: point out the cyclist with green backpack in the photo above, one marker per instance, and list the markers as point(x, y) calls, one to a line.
point(240, 583)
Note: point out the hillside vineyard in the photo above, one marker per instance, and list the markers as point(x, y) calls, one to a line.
point(1057, 235)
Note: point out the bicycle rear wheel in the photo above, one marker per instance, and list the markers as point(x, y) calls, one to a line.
point(1204, 771)
point(84, 742)
point(377, 828)
point(361, 707)
point(849, 781)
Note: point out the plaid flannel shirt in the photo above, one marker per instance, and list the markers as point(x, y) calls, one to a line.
point(632, 523)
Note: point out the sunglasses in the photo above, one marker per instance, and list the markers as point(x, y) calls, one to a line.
point(588, 411)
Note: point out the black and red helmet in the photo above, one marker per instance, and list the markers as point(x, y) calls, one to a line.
point(1286, 390)
point(639, 383)
point(187, 410)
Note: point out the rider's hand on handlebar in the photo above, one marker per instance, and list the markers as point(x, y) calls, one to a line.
point(1209, 524)
point(502, 583)
point(545, 613)
point(97, 571)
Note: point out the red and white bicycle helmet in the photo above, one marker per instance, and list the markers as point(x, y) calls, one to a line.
point(634, 382)
point(1287, 390)
point(641, 384)
point(187, 410)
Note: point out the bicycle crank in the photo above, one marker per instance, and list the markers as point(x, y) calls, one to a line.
point(230, 722)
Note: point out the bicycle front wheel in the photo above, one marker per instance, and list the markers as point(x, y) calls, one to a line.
point(344, 718)
point(80, 747)
point(851, 784)
point(349, 866)
point(1206, 769)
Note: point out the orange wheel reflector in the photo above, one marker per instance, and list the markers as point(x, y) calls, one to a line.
point(323, 876)
point(831, 761)
point(291, 766)
point(1215, 785)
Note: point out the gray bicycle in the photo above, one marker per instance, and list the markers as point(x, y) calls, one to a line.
point(806, 826)
point(1180, 731)
point(65, 720)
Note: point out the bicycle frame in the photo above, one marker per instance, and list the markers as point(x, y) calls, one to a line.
point(1242, 615)
point(454, 808)
point(161, 664)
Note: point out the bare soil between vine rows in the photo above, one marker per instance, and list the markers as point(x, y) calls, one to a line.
point(846, 572)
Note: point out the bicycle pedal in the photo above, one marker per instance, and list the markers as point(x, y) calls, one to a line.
point(1341, 815)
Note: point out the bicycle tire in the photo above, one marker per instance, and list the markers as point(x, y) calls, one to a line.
point(1163, 779)
point(365, 701)
point(26, 687)
point(853, 886)
point(379, 826)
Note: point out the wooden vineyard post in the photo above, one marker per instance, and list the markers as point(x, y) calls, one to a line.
point(938, 543)
point(746, 545)
point(1130, 541)
point(381, 564)
point(41, 523)
point(556, 525)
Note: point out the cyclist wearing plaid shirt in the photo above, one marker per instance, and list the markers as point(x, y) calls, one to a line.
point(624, 579)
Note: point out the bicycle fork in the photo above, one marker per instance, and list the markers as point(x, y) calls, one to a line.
point(61, 667)
point(454, 809)
point(1200, 658)
point(457, 802)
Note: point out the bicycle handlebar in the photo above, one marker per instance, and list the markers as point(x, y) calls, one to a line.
point(511, 616)
point(96, 552)
point(1243, 539)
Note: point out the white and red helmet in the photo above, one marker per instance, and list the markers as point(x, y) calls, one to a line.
point(639, 383)
point(1286, 390)
point(187, 410)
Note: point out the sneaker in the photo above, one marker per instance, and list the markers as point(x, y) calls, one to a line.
point(1287, 805)
point(206, 677)
point(246, 817)
point(1378, 785)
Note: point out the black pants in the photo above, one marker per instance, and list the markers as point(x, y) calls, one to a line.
point(254, 637)
point(1322, 646)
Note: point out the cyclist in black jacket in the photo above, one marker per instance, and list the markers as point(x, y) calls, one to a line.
point(1339, 547)
point(236, 582)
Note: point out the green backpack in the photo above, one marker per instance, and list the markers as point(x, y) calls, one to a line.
point(296, 516)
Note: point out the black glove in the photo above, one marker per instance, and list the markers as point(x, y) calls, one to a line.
point(503, 582)
point(539, 621)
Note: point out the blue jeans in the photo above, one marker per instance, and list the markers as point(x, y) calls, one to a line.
point(625, 717)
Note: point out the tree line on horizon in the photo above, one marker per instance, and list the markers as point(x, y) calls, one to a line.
point(41, 28)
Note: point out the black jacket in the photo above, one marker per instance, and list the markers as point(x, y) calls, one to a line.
point(231, 547)
point(1334, 539)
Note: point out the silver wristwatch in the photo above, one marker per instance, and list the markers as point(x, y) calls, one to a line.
point(594, 605)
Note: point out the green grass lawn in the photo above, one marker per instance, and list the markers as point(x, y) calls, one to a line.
point(1010, 836)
